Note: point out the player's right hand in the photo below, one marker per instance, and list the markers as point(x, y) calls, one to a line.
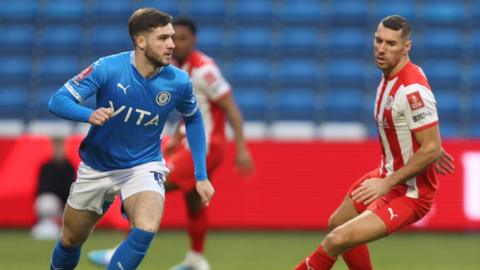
point(100, 116)
point(206, 191)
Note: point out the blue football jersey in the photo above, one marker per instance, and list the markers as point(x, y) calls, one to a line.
point(140, 108)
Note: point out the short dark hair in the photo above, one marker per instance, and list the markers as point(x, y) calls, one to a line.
point(397, 22)
point(145, 20)
point(187, 22)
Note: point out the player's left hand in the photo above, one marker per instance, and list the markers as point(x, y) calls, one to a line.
point(370, 190)
point(244, 163)
point(445, 163)
point(205, 190)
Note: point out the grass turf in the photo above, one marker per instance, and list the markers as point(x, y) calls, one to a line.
point(228, 250)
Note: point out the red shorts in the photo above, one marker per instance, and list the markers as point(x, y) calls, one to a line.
point(181, 167)
point(394, 208)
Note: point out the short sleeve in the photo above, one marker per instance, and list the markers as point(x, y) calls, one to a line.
point(419, 107)
point(210, 81)
point(87, 82)
point(187, 105)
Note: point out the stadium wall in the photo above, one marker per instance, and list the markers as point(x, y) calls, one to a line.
point(296, 185)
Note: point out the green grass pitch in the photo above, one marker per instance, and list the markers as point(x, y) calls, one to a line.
point(262, 250)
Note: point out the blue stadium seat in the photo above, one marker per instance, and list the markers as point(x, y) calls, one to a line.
point(294, 104)
point(211, 40)
point(298, 72)
point(444, 13)
point(441, 42)
point(13, 102)
point(253, 102)
point(405, 8)
point(473, 75)
point(249, 72)
point(348, 12)
point(346, 105)
point(57, 69)
point(299, 41)
point(64, 11)
point(62, 39)
point(473, 44)
point(41, 96)
point(443, 73)
point(108, 10)
point(171, 7)
point(348, 41)
point(304, 12)
point(474, 131)
point(346, 72)
point(450, 129)
point(17, 38)
point(23, 10)
point(15, 69)
point(109, 39)
point(474, 108)
point(251, 40)
point(207, 11)
point(449, 106)
point(252, 11)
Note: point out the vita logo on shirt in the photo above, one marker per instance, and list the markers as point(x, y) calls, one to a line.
point(138, 112)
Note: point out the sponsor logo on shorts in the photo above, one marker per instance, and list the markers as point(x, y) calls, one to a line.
point(392, 214)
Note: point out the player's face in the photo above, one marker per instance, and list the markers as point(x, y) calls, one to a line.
point(389, 47)
point(159, 45)
point(184, 42)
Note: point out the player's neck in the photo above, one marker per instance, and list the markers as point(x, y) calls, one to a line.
point(145, 67)
point(390, 73)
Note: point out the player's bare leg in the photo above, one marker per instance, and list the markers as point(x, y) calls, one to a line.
point(144, 211)
point(356, 258)
point(197, 230)
point(102, 257)
point(77, 226)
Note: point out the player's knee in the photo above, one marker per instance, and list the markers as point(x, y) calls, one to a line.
point(332, 222)
point(148, 225)
point(336, 239)
point(71, 240)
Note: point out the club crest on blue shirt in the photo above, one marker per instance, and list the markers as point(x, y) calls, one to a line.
point(163, 98)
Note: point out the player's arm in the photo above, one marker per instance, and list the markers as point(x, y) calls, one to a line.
point(196, 138)
point(65, 103)
point(430, 150)
point(445, 164)
point(243, 158)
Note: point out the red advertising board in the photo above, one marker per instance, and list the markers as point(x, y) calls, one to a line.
point(296, 185)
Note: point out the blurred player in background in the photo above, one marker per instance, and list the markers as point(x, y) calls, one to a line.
point(135, 93)
point(54, 181)
point(402, 190)
point(215, 102)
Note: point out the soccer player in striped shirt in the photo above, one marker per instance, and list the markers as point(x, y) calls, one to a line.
point(402, 190)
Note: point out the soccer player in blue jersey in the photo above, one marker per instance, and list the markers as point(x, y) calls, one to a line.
point(135, 92)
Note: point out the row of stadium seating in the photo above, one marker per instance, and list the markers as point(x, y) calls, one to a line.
point(443, 12)
point(304, 60)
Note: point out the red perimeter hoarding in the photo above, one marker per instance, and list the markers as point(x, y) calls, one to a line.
point(296, 185)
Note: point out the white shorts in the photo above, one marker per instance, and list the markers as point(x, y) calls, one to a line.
point(96, 190)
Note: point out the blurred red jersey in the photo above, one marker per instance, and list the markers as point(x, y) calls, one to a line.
point(210, 86)
point(404, 105)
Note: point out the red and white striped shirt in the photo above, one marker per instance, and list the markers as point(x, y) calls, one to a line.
point(209, 86)
point(404, 105)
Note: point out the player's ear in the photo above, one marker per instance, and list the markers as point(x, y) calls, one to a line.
point(140, 40)
point(408, 46)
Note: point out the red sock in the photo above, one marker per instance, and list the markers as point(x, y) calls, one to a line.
point(358, 258)
point(197, 229)
point(318, 260)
